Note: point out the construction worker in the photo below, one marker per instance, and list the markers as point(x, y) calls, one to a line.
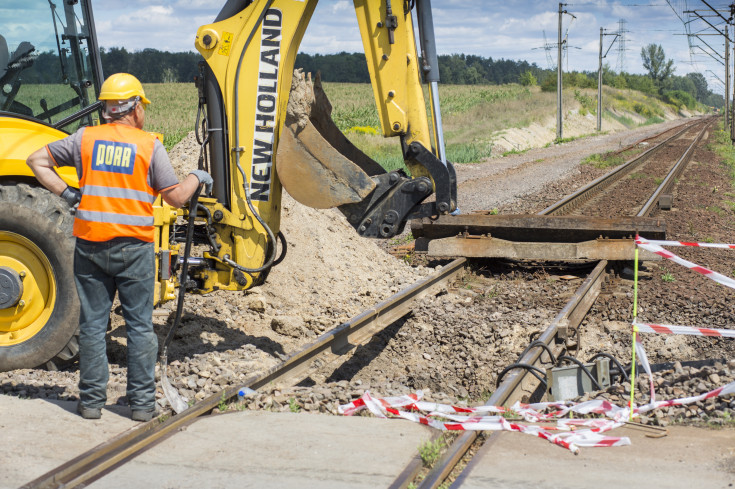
point(121, 171)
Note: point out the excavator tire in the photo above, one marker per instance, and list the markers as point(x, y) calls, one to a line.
point(39, 308)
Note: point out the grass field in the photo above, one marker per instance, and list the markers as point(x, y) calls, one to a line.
point(471, 113)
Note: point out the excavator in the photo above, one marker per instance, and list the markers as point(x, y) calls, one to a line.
point(262, 127)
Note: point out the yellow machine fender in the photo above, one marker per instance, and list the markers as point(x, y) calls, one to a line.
point(22, 137)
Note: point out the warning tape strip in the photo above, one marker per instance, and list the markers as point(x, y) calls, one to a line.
point(688, 330)
point(456, 418)
point(686, 243)
point(565, 433)
point(719, 278)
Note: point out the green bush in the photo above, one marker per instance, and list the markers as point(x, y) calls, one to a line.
point(588, 103)
point(642, 110)
point(549, 84)
point(528, 80)
point(679, 98)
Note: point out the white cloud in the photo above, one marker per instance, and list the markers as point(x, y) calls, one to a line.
point(512, 29)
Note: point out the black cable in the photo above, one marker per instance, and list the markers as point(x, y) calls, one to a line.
point(615, 361)
point(284, 248)
point(531, 369)
point(184, 270)
point(584, 369)
point(543, 345)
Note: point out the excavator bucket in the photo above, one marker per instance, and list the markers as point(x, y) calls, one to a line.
point(316, 163)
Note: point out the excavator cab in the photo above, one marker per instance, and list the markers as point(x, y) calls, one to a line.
point(52, 71)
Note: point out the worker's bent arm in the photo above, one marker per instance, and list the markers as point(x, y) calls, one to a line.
point(43, 167)
point(180, 194)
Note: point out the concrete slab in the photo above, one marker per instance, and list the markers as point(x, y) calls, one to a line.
point(37, 435)
point(237, 449)
point(687, 458)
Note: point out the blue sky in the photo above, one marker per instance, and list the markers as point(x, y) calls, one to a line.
point(513, 29)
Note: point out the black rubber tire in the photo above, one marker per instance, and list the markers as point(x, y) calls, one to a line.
point(45, 220)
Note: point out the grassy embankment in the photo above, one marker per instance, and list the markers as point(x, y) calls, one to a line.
point(724, 148)
point(471, 113)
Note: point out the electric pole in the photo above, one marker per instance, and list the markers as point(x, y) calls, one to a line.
point(559, 122)
point(732, 126)
point(599, 88)
point(727, 81)
point(599, 77)
point(559, 131)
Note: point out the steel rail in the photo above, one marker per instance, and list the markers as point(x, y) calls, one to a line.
point(582, 195)
point(570, 316)
point(631, 146)
point(109, 455)
point(673, 174)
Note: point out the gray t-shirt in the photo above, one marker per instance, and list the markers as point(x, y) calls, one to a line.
point(68, 152)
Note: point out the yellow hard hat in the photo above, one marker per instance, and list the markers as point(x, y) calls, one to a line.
point(122, 86)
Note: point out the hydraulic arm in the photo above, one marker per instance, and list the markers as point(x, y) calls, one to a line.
point(265, 128)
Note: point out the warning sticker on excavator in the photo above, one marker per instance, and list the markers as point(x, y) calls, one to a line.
point(224, 48)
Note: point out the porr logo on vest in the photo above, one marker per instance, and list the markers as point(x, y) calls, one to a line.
point(113, 156)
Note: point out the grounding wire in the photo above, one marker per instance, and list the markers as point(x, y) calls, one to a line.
point(535, 371)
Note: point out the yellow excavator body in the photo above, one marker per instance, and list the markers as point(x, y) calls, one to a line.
point(265, 127)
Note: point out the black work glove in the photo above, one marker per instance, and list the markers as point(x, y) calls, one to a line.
point(72, 196)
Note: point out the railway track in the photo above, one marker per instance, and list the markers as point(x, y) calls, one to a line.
point(519, 381)
point(104, 458)
point(578, 202)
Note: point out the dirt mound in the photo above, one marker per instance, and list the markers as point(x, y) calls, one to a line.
point(328, 267)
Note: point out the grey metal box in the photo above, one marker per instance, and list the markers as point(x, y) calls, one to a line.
point(570, 381)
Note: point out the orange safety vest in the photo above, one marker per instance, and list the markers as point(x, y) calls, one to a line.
point(116, 198)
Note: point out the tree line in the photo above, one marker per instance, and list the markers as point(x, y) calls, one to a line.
point(154, 66)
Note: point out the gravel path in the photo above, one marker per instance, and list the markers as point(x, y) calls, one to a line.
point(498, 182)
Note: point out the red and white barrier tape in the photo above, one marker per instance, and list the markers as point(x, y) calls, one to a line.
point(462, 418)
point(719, 278)
point(688, 330)
point(564, 433)
point(686, 243)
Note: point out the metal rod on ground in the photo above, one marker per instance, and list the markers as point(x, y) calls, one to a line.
point(635, 315)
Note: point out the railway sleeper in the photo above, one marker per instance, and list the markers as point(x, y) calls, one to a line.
point(535, 237)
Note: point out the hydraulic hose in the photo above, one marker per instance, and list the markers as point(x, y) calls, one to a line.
point(184, 270)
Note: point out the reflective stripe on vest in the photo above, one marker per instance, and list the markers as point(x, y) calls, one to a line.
point(119, 193)
point(116, 198)
point(113, 218)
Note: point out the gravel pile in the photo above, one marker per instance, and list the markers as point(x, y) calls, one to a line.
point(677, 383)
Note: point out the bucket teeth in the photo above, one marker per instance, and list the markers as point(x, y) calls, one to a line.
point(315, 162)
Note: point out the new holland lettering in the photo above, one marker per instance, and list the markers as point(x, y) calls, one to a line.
point(266, 104)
